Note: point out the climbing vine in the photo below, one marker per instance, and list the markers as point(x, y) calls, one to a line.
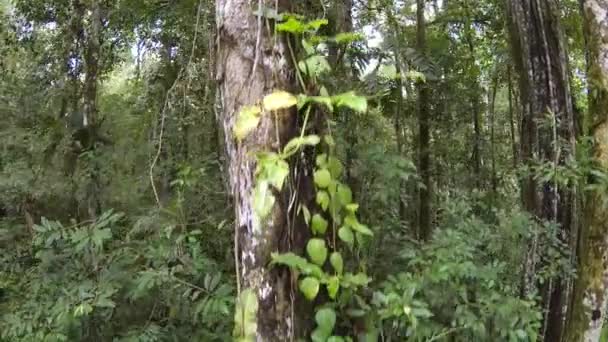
point(332, 218)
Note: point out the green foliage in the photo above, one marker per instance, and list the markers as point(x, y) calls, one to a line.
point(148, 271)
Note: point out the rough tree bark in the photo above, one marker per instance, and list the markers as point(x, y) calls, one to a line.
point(590, 288)
point(251, 63)
point(424, 134)
point(540, 60)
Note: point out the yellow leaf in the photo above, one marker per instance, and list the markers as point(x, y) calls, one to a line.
point(246, 121)
point(279, 100)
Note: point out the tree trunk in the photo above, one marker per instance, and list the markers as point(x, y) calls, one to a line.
point(243, 41)
point(511, 118)
point(590, 288)
point(92, 58)
point(424, 134)
point(540, 59)
point(492, 147)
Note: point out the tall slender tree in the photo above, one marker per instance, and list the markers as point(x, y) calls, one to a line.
point(424, 132)
point(547, 130)
point(253, 63)
point(591, 286)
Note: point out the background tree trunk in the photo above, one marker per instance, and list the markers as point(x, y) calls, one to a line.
point(547, 129)
point(590, 296)
point(424, 134)
point(243, 41)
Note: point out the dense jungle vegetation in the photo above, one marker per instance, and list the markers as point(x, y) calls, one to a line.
point(311, 170)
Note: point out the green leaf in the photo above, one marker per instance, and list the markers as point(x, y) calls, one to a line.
point(316, 24)
point(337, 262)
point(351, 100)
point(83, 309)
point(319, 224)
point(319, 335)
point(333, 285)
point(326, 319)
point(347, 37)
point(335, 339)
point(275, 173)
point(323, 199)
point(322, 178)
point(415, 76)
point(345, 194)
point(289, 259)
point(297, 262)
point(279, 100)
point(246, 121)
point(346, 235)
point(359, 279)
point(314, 65)
point(306, 214)
point(321, 160)
point(352, 208)
point(263, 199)
point(351, 221)
point(292, 25)
point(294, 144)
point(308, 47)
point(309, 287)
point(317, 251)
point(335, 167)
point(245, 323)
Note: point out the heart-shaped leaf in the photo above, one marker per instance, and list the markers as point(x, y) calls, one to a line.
point(322, 178)
point(336, 261)
point(309, 287)
point(319, 224)
point(317, 251)
point(346, 235)
point(326, 319)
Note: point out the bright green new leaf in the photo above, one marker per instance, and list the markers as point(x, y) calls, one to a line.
point(279, 100)
point(333, 285)
point(351, 100)
point(322, 178)
point(316, 24)
point(337, 262)
point(247, 120)
point(319, 224)
point(323, 199)
point(317, 251)
point(309, 287)
point(346, 235)
point(352, 208)
point(292, 25)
